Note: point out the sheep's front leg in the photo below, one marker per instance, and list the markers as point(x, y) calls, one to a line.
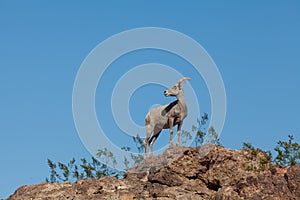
point(178, 134)
point(171, 121)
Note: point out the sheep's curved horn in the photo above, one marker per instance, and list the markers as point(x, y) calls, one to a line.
point(184, 79)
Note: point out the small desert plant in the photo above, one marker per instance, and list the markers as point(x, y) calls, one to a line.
point(201, 130)
point(260, 160)
point(202, 135)
point(71, 171)
point(288, 153)
point(60, 172)
point(136, 157)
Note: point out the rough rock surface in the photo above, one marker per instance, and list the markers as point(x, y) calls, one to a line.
point(209, 172)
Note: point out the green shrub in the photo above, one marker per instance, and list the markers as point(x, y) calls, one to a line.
point(288, 153)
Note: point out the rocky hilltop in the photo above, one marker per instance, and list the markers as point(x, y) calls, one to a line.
point(208, 172)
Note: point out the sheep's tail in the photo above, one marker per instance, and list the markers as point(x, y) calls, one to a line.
point(147, 119)
point(155, 135)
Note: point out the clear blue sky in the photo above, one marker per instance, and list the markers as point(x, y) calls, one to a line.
point(255, 44)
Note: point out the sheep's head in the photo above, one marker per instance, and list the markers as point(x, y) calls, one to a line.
point(176, 89)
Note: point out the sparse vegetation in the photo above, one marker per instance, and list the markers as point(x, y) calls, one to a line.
point(201, 130)
point(60, 172)
point(136, 157)
point(72, 172)
point(185, 137)
point(107, 156)
point(212, 137)
point(253, 151)
point(288, 153)
point(264, 159)
point(202, 135)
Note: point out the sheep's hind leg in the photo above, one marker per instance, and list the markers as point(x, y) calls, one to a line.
point(149, 130)
point(156, 133)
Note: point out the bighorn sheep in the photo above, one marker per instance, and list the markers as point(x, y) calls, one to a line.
point(166, 117)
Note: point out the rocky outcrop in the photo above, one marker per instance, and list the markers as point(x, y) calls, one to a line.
point(209, 172)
